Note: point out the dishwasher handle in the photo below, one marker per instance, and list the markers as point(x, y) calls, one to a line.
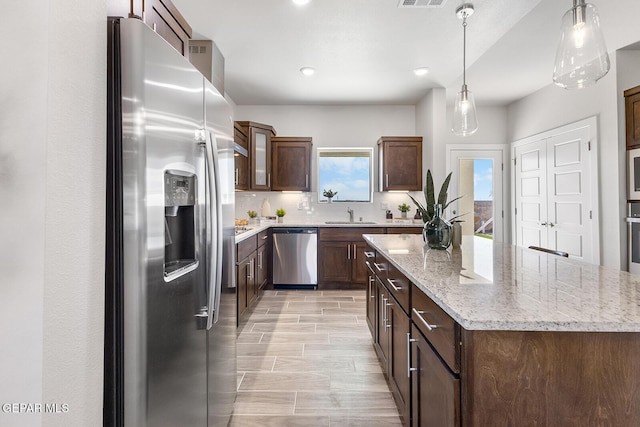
point(295, 231)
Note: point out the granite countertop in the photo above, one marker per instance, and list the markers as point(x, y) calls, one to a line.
point(253, 229)
point(493, 286)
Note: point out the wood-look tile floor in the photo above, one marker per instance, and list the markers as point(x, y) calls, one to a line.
point(305, 358)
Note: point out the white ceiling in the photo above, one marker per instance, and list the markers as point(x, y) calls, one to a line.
point(364, 51)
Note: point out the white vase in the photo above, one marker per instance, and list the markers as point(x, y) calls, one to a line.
point(329, 200)
point(280, 219)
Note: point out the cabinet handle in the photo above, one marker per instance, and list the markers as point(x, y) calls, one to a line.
point(387, 304)
point(237, 176)
point(348, 251)
point(551, 224)
point(260, 260)
point(382, 309)
point(387, 179)
point(419, 314)
point(378, 266)
point(355, 253)
point(264, 237)
point(306, 180)
point(409, 368)
point(371, 280)
point(249, 272)
point(544, 224)
point(395, 288)
point(369, 254)
point(269, 180)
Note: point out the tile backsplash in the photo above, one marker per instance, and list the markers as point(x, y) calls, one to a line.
point(304, 207)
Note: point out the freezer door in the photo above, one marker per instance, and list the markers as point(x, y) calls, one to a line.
point(164, 307)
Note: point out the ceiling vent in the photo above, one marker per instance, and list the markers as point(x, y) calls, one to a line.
point(421, 3)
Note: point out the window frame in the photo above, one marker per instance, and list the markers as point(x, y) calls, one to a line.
point(369, 154)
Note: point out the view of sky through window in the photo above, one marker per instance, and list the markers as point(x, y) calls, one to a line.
point(483, 179)
point(347, 172)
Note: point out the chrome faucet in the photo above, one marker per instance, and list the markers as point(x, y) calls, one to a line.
point(350, 211)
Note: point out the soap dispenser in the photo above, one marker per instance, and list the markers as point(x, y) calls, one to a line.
point(389, 216)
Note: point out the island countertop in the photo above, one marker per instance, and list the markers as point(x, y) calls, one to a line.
point(486, 285)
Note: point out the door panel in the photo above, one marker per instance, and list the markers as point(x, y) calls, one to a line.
point(563, 165)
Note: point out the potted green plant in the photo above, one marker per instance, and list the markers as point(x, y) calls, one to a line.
point(280, 213)
point(404, 208)
point(252, 215)
point(427, 211)
point(329, 194)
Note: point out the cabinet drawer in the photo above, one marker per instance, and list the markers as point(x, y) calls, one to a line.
point(438, 327)
point(369, 257)
point(380, 267)
point(262, 237)
point(346, 234)
point(246, 247)
point(398, 286)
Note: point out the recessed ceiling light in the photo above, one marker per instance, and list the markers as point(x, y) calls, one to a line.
point(422, 71)
point(308, 71)
point(301, 2)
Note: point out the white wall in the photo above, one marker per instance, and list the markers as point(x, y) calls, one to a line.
point(52, 162)
point(329, 126)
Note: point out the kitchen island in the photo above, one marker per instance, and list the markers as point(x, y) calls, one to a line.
point(498, 335)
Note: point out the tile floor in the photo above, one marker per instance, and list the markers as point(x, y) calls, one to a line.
point(305, 358)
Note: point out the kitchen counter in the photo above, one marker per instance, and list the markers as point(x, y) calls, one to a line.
point(492, 286)
point(253, 229)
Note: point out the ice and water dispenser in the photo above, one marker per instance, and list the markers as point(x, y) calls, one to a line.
point(179, 224)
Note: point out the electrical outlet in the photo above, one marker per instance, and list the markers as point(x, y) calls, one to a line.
point(384, 206)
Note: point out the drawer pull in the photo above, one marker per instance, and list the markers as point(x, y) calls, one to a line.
point(419, 314)
point(378, 267)
point(395, 288)
point(409, 368)
point(265, 237)
point(387, 304)
point(369, 254)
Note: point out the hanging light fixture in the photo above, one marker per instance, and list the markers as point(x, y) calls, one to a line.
point(582, 58)
point(465, 120)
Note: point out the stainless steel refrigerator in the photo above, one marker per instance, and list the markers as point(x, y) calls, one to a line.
point(170, 294)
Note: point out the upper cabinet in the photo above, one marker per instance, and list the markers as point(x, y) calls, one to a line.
point(400, 163)
point(632, 116)
point(161, 15)
point(241, 157)
point(259, 154)
point(291, 163)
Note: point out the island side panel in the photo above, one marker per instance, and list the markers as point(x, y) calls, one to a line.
point(514, 378)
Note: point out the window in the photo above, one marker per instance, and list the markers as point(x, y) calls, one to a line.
point(347, 171)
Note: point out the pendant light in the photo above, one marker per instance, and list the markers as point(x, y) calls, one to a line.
point(465, 121)
point(582, 58)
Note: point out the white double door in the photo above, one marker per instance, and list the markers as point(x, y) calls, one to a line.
point(556, 193)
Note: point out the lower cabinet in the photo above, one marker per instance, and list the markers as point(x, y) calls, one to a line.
point(435, 391)
point(416, 343)
point(341, 254)
point(252, 271)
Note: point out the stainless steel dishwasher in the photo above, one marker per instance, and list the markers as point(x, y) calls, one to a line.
point(295, 257)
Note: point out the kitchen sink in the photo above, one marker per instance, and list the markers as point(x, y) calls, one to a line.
point(347, 222)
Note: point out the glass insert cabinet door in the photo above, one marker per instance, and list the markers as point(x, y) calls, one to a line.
point(260, 159)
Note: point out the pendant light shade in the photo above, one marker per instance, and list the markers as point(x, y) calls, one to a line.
point(582, 58)
point(465, 120)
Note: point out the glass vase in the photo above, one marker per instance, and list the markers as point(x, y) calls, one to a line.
point(437, 232)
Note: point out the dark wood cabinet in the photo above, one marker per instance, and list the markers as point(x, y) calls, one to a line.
point(398, 324)
point(632, 116)
point(241, 157)
point(263, 266)
point(245, 284)
point(372, 294)
point(161, 15)
point(381, 343)
point(435, 391)
point(259, 154)
point(341, 254)
point(291, 163)
point(400, 163)
point(246, 275)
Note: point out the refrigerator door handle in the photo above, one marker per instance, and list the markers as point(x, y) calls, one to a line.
point(214, 234)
